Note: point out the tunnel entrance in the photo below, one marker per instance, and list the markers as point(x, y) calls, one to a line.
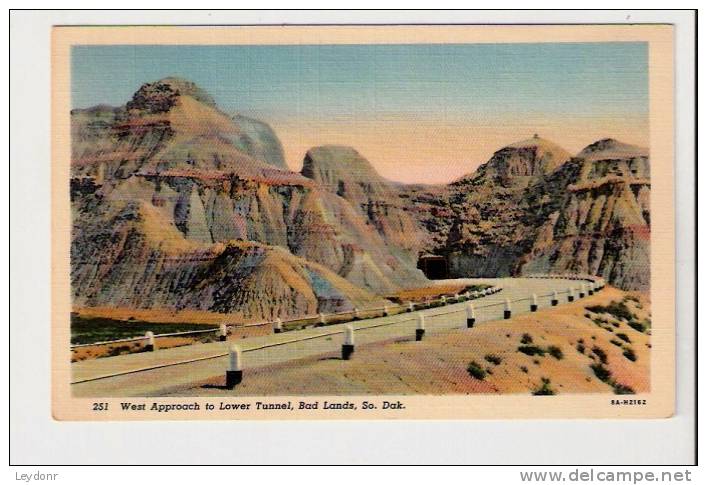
point(435, 267)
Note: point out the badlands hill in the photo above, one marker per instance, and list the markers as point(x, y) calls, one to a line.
point(171, 211)
point(522, 161)
point(179, 206)
point(343, 171)
point(532, 209)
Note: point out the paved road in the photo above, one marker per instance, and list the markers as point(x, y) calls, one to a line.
point(208, 360)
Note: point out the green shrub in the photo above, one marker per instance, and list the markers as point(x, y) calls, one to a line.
point(555, 351)
point(602, 373)
point(622, 389)
point(617, 309)
point(544, 389)
point(624, 337)
point(531, 350)
point(581, 348)
point(526, 339)
point(476, 371)
point(599, 352)
point(524, 369)
point(630, 354)
point(638, 326)
point(618, 343)
point(494, 359)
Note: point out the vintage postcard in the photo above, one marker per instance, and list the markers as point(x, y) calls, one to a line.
point(392, 222)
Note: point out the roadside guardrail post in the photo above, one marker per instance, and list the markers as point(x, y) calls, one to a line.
point(356, 314)
point(347, 349)
point(420, 330)
point(223, 332)
point(570, 294)
point(150, 341)
point(555, 299)
point(234, 373)
point(534, 303)
point(470, 315)
point(411, 306)
point(322, 320)
point(582, 290)
point(590, 290)
point(507, 309)
point(277, 328)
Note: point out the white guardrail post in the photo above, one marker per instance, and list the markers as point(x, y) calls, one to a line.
point(588, 286)
point(420, 330)
point(234, 373)
point(470, 315)
point(347, 349)
point(150, 347)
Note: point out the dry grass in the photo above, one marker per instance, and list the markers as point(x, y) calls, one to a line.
point(159, 315)
point(419, 294)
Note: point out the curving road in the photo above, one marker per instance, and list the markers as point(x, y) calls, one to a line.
point(153, 373)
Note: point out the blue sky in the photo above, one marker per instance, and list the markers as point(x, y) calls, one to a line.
point(439, 109)
point(330, 80)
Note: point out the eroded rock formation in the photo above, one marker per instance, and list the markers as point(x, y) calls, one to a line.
point(177, 205)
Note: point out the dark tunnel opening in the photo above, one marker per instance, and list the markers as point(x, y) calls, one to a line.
point(435, 267)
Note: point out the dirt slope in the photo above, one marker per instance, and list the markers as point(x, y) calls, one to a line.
point(438, 364)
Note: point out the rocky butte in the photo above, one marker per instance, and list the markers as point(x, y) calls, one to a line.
point(179, 206)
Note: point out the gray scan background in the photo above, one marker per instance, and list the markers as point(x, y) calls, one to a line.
point(37, 439)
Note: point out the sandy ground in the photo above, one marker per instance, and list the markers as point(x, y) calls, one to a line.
point(438, 364)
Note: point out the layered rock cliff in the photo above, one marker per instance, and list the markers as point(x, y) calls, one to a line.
point(177, 205)
point(258, 140)
point(534, 209)
point(600, 223)
point(175, 165)
point(343, 171)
